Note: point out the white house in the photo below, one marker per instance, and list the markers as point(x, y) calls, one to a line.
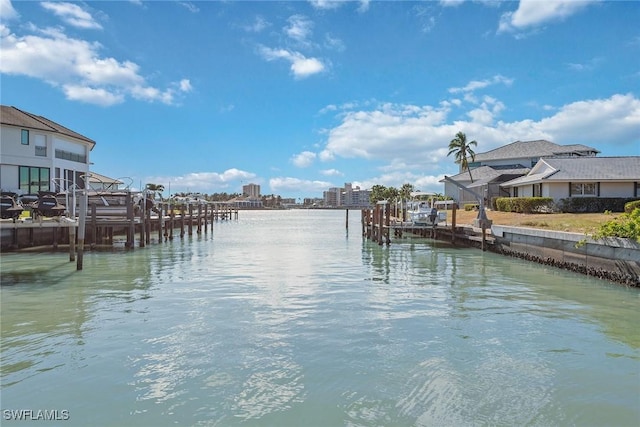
point(37, 154)
point(615, 177)
point(492, 168)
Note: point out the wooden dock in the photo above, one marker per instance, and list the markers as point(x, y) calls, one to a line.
point(101, 225)
point(381, 225)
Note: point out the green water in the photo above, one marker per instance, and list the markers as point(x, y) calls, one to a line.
point(285, 319)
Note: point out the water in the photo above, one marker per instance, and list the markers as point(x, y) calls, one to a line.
point(285, 319)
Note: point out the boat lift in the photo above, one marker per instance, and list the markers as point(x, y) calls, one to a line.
point(481, 221)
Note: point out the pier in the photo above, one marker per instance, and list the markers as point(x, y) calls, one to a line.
point(384, 223)
point(103, 223)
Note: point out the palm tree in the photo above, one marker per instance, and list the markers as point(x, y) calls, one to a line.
point(405, 194)
point(462, 150)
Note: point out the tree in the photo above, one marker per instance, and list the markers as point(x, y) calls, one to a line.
point(462, 150)
point(405, 194)
point(377, 193)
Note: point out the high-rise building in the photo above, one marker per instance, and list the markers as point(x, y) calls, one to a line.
point(251, 190)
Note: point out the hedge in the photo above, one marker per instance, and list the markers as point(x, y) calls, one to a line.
point(593, 204)
point(525, 204)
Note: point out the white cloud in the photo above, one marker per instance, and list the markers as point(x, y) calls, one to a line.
point(203, 181)
point(533, 13)
point(72, 14)
point(481, 84)
point(304, 159)
point(258, 25)
point(7, 12)
point(288, 184)
point(331, 172)
point(451, 3)
point(299, 29)
point(96, 96)
point(76, 66)
point(301, 66)
point(334, 43)
point(191, 7)
point(327, 4)
point(408, 137)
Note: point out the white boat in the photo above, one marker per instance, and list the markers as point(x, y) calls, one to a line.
point(422, 210)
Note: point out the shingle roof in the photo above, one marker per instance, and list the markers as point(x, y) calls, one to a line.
point(532, 149)
point(13, 116)
point(487, 173)
point(595, 168)
point(584, 169)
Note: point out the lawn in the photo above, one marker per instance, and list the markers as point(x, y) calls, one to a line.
point(577, 223)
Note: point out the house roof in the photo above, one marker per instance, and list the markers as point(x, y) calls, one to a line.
point(486, 174)
point(582, 169)
point(13, 116)
point(534, 149)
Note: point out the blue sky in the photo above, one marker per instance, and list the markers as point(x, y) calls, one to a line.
point(300, 96)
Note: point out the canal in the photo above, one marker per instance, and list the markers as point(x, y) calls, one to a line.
point(284, 318)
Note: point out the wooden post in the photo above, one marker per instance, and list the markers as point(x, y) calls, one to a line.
point(72, 241)
point(172, 217)
point(347, 220)
point(380, 224)
point(143, 222)
point(199, 226)
point(181, 221)
point(454, 207)
point(131, 219)
point(160, 222)
point(81, 228)
point(94, 224)
point(388, 223)
point(147, 237)
point(190, 219)
point(206, 211)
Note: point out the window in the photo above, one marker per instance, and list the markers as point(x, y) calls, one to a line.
point(583, 189)
point(41, 151)
point(537, 190)
point(515, 191)
point(33, 179)
point(24, 137)
point(66, 155)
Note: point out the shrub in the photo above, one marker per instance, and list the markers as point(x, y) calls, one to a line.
point(593, 204)
point(626, 225)
point(630, 206)
point(470, 206)
point(525, 204)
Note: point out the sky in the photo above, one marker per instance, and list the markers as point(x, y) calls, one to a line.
point(301, 96)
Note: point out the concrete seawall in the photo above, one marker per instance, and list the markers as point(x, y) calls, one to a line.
point(612, 259)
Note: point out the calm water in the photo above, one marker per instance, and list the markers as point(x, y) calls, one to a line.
point(284, 319)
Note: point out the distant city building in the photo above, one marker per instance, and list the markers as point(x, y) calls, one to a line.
point(355, 197)
point(332, 197)
point(348, 197)
point(251, 190)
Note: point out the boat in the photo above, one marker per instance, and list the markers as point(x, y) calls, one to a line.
point(10, 208)
point(47, 205)
point(422, 209)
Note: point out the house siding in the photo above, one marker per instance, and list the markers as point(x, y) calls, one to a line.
point(616, 189)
